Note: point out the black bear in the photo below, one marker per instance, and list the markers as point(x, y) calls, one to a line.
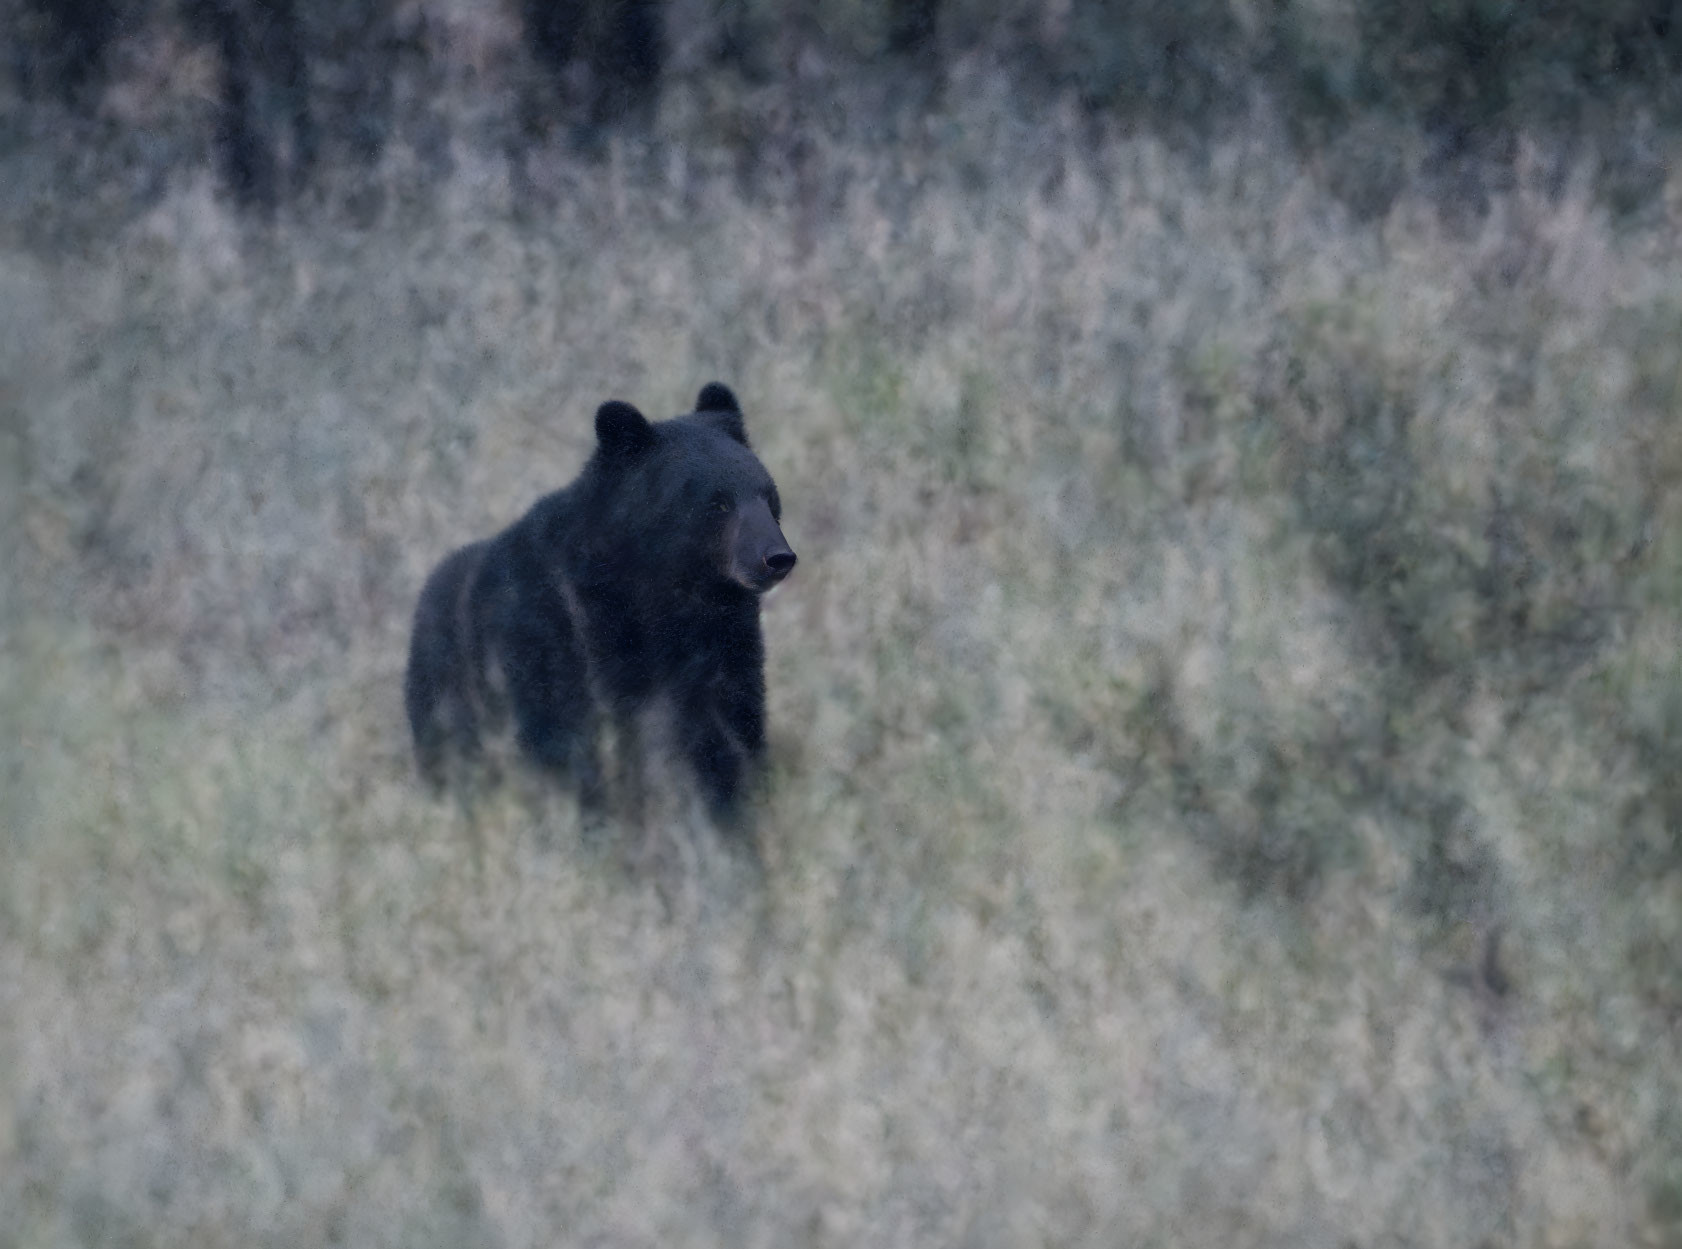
point(630, 595)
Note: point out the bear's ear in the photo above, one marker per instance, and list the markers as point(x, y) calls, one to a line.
point(621, 430)
point(718, 403)
point(717, 397)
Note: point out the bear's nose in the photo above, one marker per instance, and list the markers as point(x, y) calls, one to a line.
point(780, 562)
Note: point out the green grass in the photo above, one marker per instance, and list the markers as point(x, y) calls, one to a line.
point(1223, 724)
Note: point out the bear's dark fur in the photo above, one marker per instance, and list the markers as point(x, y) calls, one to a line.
point(631, 595)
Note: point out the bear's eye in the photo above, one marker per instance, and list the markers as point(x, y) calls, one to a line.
point(721, 503)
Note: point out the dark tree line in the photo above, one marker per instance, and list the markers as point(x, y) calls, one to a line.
point(620, 45)
point(310, 83)
point(302, 82)
point(265, 133)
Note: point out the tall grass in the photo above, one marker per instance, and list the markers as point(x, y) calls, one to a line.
point(1224, 723)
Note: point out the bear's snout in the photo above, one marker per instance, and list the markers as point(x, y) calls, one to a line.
point(760, 555)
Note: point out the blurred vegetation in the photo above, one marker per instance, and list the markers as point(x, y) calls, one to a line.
point(272, 88)
point(1225, 723)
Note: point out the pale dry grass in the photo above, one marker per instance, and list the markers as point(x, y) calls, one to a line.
point(1134, 855)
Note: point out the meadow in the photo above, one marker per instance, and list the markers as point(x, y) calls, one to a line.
point(1225, 722)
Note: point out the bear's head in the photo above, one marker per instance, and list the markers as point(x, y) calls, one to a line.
point(693, 501)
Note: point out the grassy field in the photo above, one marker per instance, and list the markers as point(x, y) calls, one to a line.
point(1226, 721)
